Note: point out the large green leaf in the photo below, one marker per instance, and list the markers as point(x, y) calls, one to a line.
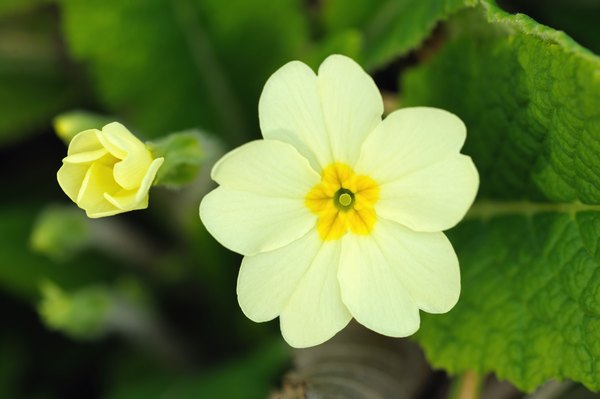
point(577, 17)
point(390, 28)
point(173, 65)
point(530, 255)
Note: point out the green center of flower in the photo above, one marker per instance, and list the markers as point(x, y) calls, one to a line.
point(344, 199)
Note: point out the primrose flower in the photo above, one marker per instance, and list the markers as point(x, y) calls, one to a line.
point(338, 213)
point(108, 172)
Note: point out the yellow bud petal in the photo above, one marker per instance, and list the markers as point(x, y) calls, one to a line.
point(108, 172)
point(85, 141)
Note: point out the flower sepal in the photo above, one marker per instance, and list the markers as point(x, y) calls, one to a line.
point(183, 153)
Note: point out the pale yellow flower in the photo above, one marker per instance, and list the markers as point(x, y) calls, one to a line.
point(108, 172)
point(338, 213)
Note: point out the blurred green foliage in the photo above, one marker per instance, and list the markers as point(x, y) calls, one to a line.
point(172, 65)
point(81, 315)
point(61, 232)
point(174, 329)
point(390, 28)
point(34, 80)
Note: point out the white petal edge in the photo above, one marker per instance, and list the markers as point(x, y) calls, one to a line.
point(352, 106)
point(250, 223)
point(267, 167)
point(410, 139)
point(372, 291)
point(425, 263)
point(315, 311)
point(267, 281)
point(434, 198)
point(290, 110)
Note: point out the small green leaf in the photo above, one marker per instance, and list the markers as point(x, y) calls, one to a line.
point(183, 153)
point(530, 97)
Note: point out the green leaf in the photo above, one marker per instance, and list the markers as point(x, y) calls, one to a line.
point(578, 18)
point(530, 306)
point(174, 65)
point(391, 28)
point(530, 97)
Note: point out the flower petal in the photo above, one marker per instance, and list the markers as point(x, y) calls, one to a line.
point(129, 200)
point(351, 103)
point(70, 176)
point(85, 141)
point(315, 312)
point(290, 110)
point(250, 223)
point(86, 157)
point(116, 137)
point(434, 198)
point(426, 263)
point(267, 280)
point(267, 167)
point(97, 181)
point(135, 157)
point(408, 140)
point(149, 178)
point(373, 290)
point(130, 172)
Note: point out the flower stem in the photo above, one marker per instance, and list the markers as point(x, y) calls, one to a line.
point(467, 386)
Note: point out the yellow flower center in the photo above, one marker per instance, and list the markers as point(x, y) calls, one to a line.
point(343, 201)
